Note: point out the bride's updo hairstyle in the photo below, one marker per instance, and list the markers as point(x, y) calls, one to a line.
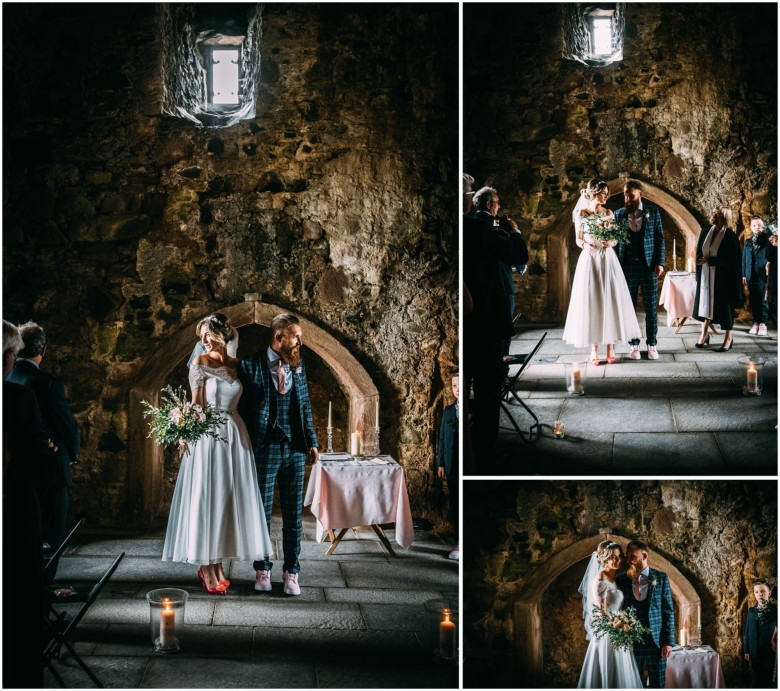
point(604, 551)
point(219, 327)
point(594, 188)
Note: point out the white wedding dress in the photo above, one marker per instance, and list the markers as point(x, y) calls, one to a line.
point(605, 668)
point(216, 510)
point(600, 308)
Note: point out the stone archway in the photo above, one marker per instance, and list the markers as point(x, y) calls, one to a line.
point(528, 615)
point(145, 458)
point(557, 245)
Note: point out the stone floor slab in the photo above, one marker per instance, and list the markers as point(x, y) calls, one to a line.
point(736, 414)
point(665, 367)
point(399, 618)
point(385, 596)
point(383, 674)
point(232, 674)
point(715, 387)
point(290, 613)
point(750, 452)
point(588, 416)
point(425, 575)
point(662, 454)
point(574, 454)
point(113, 672)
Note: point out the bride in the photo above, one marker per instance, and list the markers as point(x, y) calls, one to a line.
point(216, 510)
point(600, 310)
point(605, 668)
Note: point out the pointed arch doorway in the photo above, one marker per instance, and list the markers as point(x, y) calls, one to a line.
point(529, 670)
point(561, 233)
point(146, 459)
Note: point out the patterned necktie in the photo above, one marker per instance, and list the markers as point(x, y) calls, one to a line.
point(282, 377)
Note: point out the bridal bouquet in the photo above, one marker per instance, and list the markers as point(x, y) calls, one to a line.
point(178, 422)
point(622, 627)
point(601, 228)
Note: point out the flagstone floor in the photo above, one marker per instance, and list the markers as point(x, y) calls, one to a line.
point(363, 619)
point(683, 414)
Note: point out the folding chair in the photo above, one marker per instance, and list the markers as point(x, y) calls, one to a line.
point(59, 628)
point(508, 390)
point(50, 563)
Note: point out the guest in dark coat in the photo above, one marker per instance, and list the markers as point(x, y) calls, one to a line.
point(758, 644)
point(26, 457)
point(718, 277)
point(60, 426)
point(448, 461)
point(771, 270)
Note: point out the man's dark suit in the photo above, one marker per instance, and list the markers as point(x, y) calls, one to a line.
point(754, 259)
point(275, 454)
point(61, 426)
point(26, 458)
point(448, 457)
point(485, 246)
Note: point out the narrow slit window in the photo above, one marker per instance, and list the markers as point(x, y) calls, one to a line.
point(601, 32)
point(224, 77)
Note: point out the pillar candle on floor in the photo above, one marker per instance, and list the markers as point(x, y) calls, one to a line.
point(167, 626)
point(447, 640)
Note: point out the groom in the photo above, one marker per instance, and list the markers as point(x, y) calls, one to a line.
point(642, 260)
point(275, 406)
point(648, 591)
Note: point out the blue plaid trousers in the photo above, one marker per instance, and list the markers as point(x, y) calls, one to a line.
point(279, 461)
point(638, 275)
point(650, 654)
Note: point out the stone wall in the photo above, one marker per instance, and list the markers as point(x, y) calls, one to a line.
point(719, 535)
point(338, 201)
point(691, 109)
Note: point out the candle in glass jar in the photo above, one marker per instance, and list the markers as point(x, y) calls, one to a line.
point(558, 429)
point(752, 379)
point(330, 414)
point(447, 642)
point(354, 443)
point(167, 625)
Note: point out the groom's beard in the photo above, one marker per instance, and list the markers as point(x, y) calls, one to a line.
point(633, 570)
point(631, 207)
point(292, 356)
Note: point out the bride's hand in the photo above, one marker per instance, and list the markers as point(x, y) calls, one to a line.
point(590, 249)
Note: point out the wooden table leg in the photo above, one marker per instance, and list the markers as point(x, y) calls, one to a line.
point(381, 533)
point(337, 540)
point(331, 535)
point(680, 324)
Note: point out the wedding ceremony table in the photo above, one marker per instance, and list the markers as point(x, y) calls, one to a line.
point(371, 491)
point(677, 297)
point(696, 667)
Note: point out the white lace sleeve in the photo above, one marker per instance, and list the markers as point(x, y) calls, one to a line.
point(197, 377)
point(599, 591)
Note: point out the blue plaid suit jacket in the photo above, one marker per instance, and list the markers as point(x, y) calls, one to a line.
point(660, 609)
point(255, 404)
point(655, 246)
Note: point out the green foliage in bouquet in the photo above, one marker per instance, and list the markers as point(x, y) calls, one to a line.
point(177, 422)
point(601, 228)
point(622, 627)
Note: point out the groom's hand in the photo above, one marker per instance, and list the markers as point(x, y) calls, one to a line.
point(666, 651)
point(313, 455)
point(658, 271)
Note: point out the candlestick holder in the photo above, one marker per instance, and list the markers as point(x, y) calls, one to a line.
point(376, 429)
point(330, 439)
point(696, 638)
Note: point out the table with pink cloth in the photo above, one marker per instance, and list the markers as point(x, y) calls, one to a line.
point(362, 491)
point(678, 295)
point(697, 667)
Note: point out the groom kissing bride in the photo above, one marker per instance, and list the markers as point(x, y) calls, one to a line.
point(645, 589)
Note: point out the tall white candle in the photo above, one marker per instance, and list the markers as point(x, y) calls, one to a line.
point(377, 413)
point(698, 615)
point(354, 444)
point(330, 414)
point(167, 626)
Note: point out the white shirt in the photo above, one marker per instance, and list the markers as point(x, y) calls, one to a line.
point(274, 360)
point(638, 216)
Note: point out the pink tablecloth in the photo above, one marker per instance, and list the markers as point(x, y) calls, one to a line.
point(678, 295)
point(345, 494)
point(694, 668)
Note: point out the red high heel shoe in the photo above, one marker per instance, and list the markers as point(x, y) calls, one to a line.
point(219, 590)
